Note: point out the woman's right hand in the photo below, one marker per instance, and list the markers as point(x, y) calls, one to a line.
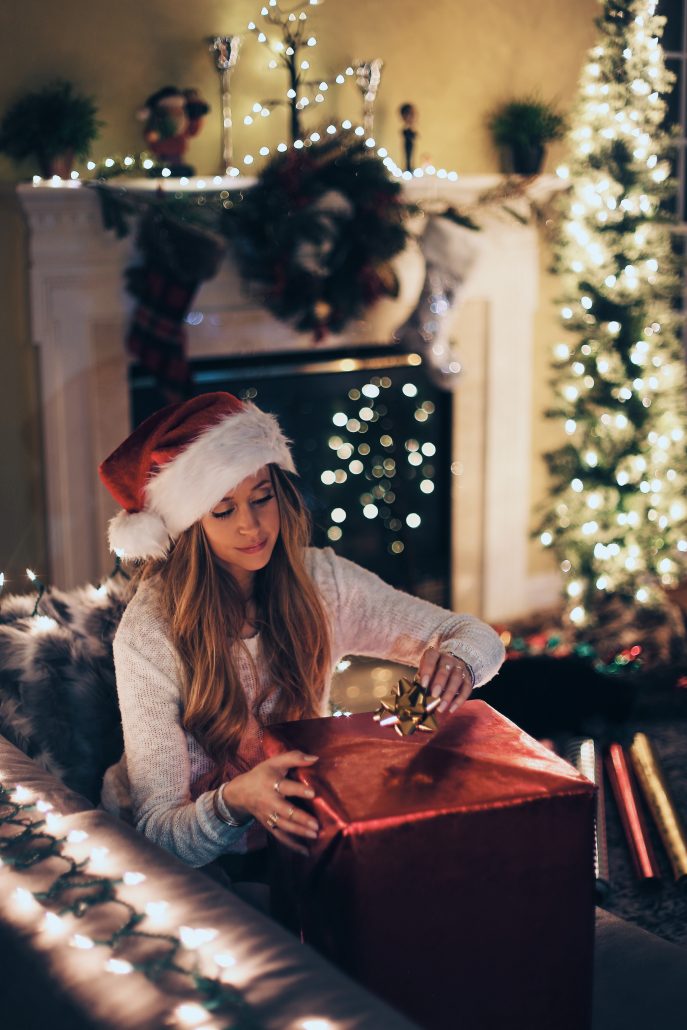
point(264, 793)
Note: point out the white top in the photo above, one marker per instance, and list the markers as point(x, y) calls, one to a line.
point(162, 761)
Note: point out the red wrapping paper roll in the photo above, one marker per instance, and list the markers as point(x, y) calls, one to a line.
point(641, 851)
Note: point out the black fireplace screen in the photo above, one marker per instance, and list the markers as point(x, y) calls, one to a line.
point(372, 444)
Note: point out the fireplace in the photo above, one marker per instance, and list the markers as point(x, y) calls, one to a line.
point(372, 443)
point(479, 509)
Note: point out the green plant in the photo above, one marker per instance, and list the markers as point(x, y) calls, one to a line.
point(525, 122)
point(50, 122)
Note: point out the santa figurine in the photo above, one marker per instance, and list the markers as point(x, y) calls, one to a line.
point(172, 116)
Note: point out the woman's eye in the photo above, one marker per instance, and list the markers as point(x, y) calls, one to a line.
point(264, 500)
point(221, 514)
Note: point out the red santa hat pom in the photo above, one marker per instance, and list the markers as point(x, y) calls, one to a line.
point(179, 463)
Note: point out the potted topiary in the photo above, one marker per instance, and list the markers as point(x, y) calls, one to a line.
point(54, 125)
point(521, 128)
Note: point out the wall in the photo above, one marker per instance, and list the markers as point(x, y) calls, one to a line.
point(452, 58)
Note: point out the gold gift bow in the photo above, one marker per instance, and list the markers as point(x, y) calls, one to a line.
point(655, 790)
point(408, 707)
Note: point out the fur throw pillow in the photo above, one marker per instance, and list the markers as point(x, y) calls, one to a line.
point(58, 700)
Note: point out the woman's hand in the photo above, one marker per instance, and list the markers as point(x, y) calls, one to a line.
point(264, 793)
point(447, 677)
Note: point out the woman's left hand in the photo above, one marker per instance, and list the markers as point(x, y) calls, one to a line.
point(445, 676)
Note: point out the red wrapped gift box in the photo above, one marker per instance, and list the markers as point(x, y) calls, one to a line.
point(454, 871)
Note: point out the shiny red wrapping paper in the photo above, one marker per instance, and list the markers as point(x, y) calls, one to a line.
point(634, 825)
point(454, 872)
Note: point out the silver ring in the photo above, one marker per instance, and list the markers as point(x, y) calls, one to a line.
point(277, 784)
point(272, 820)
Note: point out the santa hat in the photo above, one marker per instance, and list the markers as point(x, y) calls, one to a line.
point(179, 463)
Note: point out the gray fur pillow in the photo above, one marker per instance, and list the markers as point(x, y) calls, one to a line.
point(58, 700)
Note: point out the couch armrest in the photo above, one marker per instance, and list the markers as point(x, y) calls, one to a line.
point(283, 981)
point(16, 767)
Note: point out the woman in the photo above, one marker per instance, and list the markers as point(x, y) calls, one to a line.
point(236, 623)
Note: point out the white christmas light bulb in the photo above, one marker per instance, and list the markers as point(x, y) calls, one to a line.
point(132, 879)
point(53, 925)
point(24, 901)
point(157, 911)
point(191, 1014)
point(118, 966)
point(98, 859)
point(194, 938)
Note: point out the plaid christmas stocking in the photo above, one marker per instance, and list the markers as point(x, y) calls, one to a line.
point(177, 258)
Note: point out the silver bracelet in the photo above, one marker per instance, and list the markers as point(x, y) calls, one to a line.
point(466, 664)
point(217, 800)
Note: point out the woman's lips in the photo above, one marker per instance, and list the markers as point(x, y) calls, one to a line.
point(254, 549)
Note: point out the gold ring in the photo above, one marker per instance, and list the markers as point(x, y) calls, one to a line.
point(290, 812)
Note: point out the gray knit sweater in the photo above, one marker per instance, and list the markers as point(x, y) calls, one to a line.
point(161, 762)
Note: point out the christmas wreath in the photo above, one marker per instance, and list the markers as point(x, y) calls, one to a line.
point(315, 236)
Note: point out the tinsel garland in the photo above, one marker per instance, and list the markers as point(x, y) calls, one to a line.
point(26, 842)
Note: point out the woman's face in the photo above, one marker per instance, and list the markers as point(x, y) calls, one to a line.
point(243, 528)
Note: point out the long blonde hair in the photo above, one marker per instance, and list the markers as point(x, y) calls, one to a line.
point(206, 611)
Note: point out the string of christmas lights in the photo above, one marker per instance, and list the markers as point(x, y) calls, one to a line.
point(263, 109)
point(130, 163)
point(34, 835)
point(618, 517)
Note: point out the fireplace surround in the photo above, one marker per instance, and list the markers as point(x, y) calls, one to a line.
point(79, 312)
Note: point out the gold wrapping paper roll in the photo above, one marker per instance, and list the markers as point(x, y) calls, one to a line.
point(655, 790)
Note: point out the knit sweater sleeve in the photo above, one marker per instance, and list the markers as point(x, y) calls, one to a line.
point(369, 617)
point(156, 749)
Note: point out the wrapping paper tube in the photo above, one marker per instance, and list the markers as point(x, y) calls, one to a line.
point(585, 755)
point(641, 851)
point(652, 782)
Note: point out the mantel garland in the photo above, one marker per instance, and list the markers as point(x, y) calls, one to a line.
point(314, 240)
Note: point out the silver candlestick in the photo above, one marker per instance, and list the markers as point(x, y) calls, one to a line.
point(368, 75)
point(225, 50)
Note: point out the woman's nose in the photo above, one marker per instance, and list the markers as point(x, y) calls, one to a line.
point(248, 519)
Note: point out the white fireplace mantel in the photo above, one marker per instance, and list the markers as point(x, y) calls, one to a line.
point(79, 313)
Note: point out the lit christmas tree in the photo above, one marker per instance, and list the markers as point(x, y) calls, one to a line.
point(618, 517)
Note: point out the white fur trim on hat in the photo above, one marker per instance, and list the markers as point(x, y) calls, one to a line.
point(141, 534)
point(190, 485)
